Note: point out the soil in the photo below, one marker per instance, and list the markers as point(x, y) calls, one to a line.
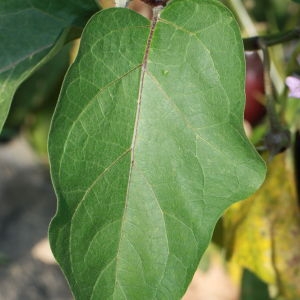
point(27, 205)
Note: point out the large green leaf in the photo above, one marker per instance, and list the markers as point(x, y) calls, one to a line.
point(147, 149)
point(31, 33)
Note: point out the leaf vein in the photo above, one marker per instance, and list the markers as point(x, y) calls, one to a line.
point(134, 138)
point(15, 63)
point(195, 130)
point(74, 122)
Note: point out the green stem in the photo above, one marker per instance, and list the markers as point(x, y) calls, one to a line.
point(249, 30)
point(275, 123)
point(254, 43)
point(242, 15)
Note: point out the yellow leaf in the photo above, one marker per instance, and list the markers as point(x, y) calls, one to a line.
point(262, 233)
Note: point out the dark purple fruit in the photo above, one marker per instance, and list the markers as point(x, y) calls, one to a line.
point(254, 110)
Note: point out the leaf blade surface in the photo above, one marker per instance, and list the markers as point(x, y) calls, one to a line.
point(31, 33)
point(140, 160)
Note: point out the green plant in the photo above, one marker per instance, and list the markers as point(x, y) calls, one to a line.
point(147, 147)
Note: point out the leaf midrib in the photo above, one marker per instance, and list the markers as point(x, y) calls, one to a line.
point(135, 132)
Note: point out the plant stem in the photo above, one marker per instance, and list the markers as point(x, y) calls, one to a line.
point(275, 124)
point(278, 138)
point(254, 43)
point(243, 16)
point(121, 3)
point(250, 30)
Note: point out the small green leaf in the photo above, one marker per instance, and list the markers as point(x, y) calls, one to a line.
point(31, 33)
point(253, 287)
point(147, 149)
